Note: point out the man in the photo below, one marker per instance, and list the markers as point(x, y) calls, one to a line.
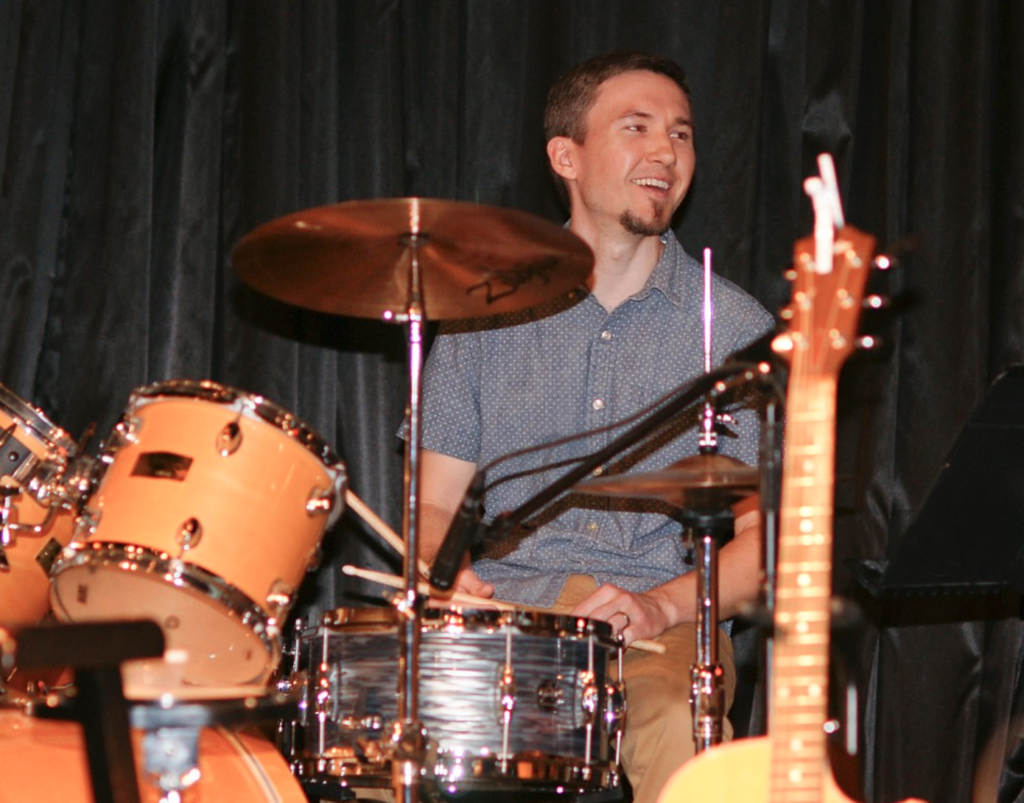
point(620, 140)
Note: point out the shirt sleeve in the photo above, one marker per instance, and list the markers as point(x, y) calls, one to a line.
point(451, 396)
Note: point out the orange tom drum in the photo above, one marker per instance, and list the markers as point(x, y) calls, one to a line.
point(209, 508)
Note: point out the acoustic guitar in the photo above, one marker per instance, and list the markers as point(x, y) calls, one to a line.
point(790, 764)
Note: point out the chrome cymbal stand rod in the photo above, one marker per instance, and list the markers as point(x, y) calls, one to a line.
point(408, 739)
point(707, 677)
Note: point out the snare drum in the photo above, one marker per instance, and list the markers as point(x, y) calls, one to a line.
point(510, 701)
point(46, 760)
point(209, 507)
point(37, 518)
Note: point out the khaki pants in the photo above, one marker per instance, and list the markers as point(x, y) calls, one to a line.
point(659, 727)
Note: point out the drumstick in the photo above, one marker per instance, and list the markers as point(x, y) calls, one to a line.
point(381, 528)
point(461, 598)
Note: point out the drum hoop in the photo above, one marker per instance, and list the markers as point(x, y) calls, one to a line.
point(35, 421)
point(182, 575)
point(458, 772)
point(359, 620)
point(261, 407)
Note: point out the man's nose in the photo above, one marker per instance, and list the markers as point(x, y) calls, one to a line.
point(662, 149)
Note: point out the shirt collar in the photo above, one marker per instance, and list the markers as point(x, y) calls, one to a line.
point(664, 278)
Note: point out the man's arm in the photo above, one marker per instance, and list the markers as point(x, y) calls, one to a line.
point(651, 613)
point(443, 483)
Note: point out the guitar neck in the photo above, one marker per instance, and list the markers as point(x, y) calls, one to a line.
point(799, 703)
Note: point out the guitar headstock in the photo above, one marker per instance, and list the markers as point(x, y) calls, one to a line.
point(825, 307)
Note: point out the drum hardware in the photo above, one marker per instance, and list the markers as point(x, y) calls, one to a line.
point(507, 699)
point(229, 440)
point(615, 707)
point(189, 535)
point(406, 261)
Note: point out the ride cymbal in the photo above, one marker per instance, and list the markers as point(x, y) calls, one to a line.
point(354, 258)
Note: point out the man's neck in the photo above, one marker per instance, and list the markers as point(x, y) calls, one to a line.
point(623, 263)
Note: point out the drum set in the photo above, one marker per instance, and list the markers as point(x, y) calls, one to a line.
point(204, 509)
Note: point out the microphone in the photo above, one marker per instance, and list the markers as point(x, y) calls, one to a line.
point(462, 533)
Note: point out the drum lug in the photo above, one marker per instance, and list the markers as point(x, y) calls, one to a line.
point(87, 522)
point(589, 699)
point(189, 535)
point(125, 432)
point(550, 696)
point(279, 598)
point(229, 439)
point(615, 707)
point(77, 485)
point(320, 502)
point(7, 527)
point(507, 693)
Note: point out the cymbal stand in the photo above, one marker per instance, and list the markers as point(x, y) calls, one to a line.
point(408, 737)
point(708, 527)
point(707, 677)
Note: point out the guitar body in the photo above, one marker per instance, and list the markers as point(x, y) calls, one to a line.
point(734, 772)
point(737, 772)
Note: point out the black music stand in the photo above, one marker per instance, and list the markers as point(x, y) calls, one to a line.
point(969, 535)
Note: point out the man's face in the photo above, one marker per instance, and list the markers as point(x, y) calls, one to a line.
point(637, 159)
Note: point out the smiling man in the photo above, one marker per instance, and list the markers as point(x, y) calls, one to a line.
point(620, 137)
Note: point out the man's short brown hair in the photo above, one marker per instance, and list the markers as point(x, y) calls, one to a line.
point(573, 94)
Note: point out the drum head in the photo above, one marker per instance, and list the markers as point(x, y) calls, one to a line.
point(223, 649)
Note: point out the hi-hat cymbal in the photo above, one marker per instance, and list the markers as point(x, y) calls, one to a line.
point(354, 258)
point(700, 482)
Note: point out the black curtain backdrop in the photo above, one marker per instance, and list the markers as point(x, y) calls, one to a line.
point(139, 141)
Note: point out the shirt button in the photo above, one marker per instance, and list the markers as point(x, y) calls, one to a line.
point(606, 335)
point(592, 526)
point(598, 404)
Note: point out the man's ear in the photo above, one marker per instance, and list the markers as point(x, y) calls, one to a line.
point(561, 155)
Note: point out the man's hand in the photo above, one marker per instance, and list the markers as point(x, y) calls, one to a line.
point(633, 616)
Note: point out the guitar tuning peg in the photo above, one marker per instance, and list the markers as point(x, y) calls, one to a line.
point(867, 342)
point(894, 252)
point(876, 301)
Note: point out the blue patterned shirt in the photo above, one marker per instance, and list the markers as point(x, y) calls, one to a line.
point(498, 385)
